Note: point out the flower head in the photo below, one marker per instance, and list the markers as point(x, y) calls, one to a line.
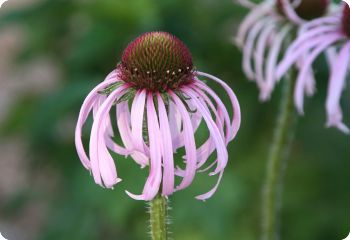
point(160, 104)
point(328, 35)
point(305, 9)
point(266, 30)
point(156, 61)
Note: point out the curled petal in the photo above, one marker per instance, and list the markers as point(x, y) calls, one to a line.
point(302, 77)
point(292, 57)
point(305, 37)
point(84, 112)
point(250, 20)
point(249, 47)
point(289, 10)
point(236, 120)
point(259, 56)
point(102, 164)
point(335, 88)
point(222, 154)
point(208, 147)
point(209, 194)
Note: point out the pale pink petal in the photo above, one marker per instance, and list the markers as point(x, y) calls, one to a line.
point(84, 112)
point(123, 122)
point(137, 120)
point(175, 123)
point(310, 35)
point(271, 65)
point(221, 109)
point(250, 20)
point(302, 76)
point(249, 47)
point(102, 164)
point(209, 194)
point(320, 22)
point(335, 88)
point(290, 59)
point(288, 9)
point(109, 130)
point(221, 116)
point(154, 179)
point(189, 142)
point(167, 149)
point(259, 56)
point(236, 120)
point(222, 154)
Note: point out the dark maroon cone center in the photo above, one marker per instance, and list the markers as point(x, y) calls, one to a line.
point(157, 61)
point(346, 20)
point(308, 9)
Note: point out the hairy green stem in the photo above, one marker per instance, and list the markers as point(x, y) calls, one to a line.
point(273, 185)
point(158, 209)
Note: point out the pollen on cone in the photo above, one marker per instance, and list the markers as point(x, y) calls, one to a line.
point(156, 61)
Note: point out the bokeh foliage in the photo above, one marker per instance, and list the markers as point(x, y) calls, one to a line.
point(85, 38)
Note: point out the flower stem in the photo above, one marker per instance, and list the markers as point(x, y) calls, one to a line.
point(282, 138)
point(158, 217)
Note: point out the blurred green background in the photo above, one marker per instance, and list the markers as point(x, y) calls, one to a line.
point(52, 52)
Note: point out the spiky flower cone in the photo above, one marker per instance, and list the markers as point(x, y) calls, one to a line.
point(156, 61)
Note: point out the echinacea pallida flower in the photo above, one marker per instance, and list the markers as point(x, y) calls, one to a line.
point(266, 30)
point(315, 38)
point(160, 103)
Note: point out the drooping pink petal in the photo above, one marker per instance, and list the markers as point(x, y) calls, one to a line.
point(222, 154)
point(272, 62)
point(250, 20)
point(310, 35)
point(259, 56)
point(175, 123)
point(84, 112)
point(123, 122)
point(137, 120)
point(221, 112)
point(288, 9)
point(208, 147)
point(189, 142)
point(154, 179)
point(335, 88)
point(249, 47)
point(236, 120)
point(224, 116)
point(175, 126)
point(335, 20)
point(209, 194)
point(290, 59)
point(302, 76)
point(167, 149)
point(109, 130)
point(102, 164)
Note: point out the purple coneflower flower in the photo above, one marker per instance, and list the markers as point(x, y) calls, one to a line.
point(160, 103)
point(327, 33)
point(264, 32)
